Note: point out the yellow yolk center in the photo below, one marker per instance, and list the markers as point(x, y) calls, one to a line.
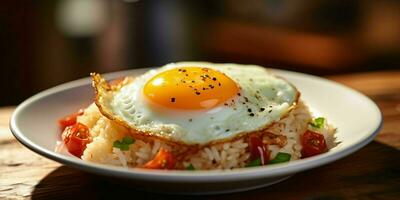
point(190, 88)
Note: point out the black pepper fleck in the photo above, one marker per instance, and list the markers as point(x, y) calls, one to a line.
point(190, 120)
point(251, 114)
point(214, 79)
point(227, 130)
point(269, 111)
point(172, 99)
point(249, 110)
point(197, 93)
point(262, 109)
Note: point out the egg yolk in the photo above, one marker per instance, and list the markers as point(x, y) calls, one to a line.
point(190, 88)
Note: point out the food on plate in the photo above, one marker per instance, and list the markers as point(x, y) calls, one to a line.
point(196, 116)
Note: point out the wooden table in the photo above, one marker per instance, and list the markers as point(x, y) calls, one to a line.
point(371, 173)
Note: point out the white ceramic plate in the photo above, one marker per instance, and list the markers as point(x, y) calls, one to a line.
point(358, 119)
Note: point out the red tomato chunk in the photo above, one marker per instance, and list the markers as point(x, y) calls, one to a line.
point(258, 150)
point(313, 144)
point(69, 120)
point(75, 138)
point(163, 160)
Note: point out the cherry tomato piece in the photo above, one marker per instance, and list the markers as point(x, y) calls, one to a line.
point(69, 120)
point(75, 138)
point(163, 160)
point(258, 150)
point(313, 144)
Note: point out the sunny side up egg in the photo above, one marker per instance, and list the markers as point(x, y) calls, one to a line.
point(197, 103)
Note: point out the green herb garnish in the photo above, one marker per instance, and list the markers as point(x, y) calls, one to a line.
point(318, 122)
point(190, 167)
point(124, 143)
point(280, 158)
point(128, 140)
point(254, 163)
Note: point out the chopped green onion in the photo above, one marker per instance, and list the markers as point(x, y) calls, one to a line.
point(190, 167)
point(280, 158)
point(117, 144)
point(128, 140)
point(124, 147)
point(124, 143)
point(318, 122)
point(254, 163)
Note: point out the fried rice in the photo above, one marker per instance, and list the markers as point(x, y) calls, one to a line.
point(282, 136)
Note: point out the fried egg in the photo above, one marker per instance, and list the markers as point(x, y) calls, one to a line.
point(197, 103)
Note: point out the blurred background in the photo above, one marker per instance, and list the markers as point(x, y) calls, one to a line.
point(48, 42)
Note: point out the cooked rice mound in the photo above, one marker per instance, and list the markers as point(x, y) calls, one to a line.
point(282, 136)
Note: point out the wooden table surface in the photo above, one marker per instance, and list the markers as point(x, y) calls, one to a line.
point(371, 173)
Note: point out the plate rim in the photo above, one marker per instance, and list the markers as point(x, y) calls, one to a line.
point(185, 176)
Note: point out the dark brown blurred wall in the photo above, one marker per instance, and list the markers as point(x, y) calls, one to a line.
point(318, 37)
point(37, 55)
point(15, 40)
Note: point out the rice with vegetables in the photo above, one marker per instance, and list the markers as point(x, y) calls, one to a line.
point(283, 136)
point(293, 135)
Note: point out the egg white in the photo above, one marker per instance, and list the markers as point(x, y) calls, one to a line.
point(264, 99)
